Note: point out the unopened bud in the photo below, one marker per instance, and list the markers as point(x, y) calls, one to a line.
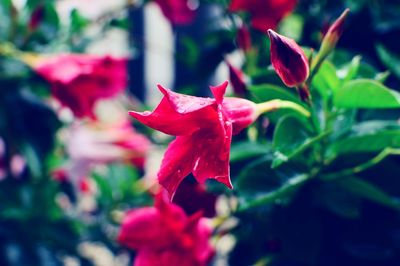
point(288, 60)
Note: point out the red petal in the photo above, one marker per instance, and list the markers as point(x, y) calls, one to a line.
point(184, 104)
point(212, 154)
point(141, 228)
point(167, 257)
point(179, 114)
point(177, 163)
point(219, 91)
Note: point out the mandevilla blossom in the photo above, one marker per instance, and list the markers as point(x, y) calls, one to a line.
point(265, 14)
point(164, 235)
point(288, 60)
point(78, 81)
point(244, 38)
point(178, 12)
point(204, 128)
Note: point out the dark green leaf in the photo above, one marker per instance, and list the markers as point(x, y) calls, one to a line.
point(289, 135)
point(326, 80)
point(369, 191)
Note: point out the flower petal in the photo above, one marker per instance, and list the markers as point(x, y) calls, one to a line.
point(184, 104)
point(219, 91)
point(177, 163)
point(212, 154)
point(178, 114)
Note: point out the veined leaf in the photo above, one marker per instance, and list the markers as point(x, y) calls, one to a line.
point(366, 93)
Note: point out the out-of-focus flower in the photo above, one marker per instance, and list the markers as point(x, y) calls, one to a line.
point(78, 81)
point(164, 235)
point(102, 143)
point(265, 14)
point(238, 80)
point(331, 37)
point(193, 197)
point(2, 160)
point(204, 128)
point(288, 60)
point(178, 12)
point(36, 17)
point(244, 38)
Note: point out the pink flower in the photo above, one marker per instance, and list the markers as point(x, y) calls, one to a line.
point(204, 128)
point(265, 14)
point(164, 235)
point(178, 12)
point(78, 81)
point(288, 60)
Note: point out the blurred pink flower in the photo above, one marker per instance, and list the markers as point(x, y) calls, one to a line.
point(164, 235)
point(265, 14)
point(204, 128)
point(78, 81)
point(102, 143)
point(178, 12)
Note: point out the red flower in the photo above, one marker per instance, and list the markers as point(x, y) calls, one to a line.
point(204, 128)
point(265, 14)
point(78, 81)
point(164, 235)
point(178, 12)
point(237, 79)
point(288, 59)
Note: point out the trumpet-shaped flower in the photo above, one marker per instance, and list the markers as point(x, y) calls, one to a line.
point(203, 128)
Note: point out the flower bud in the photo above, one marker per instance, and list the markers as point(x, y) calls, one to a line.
point(244, 38)
point(238, 80)
point(240, 112)
point(332, 35)
point(288, 60)
point(36, 18)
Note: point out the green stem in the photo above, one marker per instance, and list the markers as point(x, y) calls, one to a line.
point(281, 104)
point(362, 167)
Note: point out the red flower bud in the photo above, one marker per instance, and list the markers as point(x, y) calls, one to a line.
point(36, 17)
point(288, 60)
point(244, 38)
point(333, 34)
point(237, 78)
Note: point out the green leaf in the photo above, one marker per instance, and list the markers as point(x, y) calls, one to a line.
point(350, 71)
point(287, 189)
point(365, 93)
point(368, 191)
point(267, 92)
point(372, 136)
point(246, 150)
point(391, 60)
point(289, 135)
point(77, 21)
point(326, 80)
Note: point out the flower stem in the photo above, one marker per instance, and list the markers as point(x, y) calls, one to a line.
point(276, 104)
